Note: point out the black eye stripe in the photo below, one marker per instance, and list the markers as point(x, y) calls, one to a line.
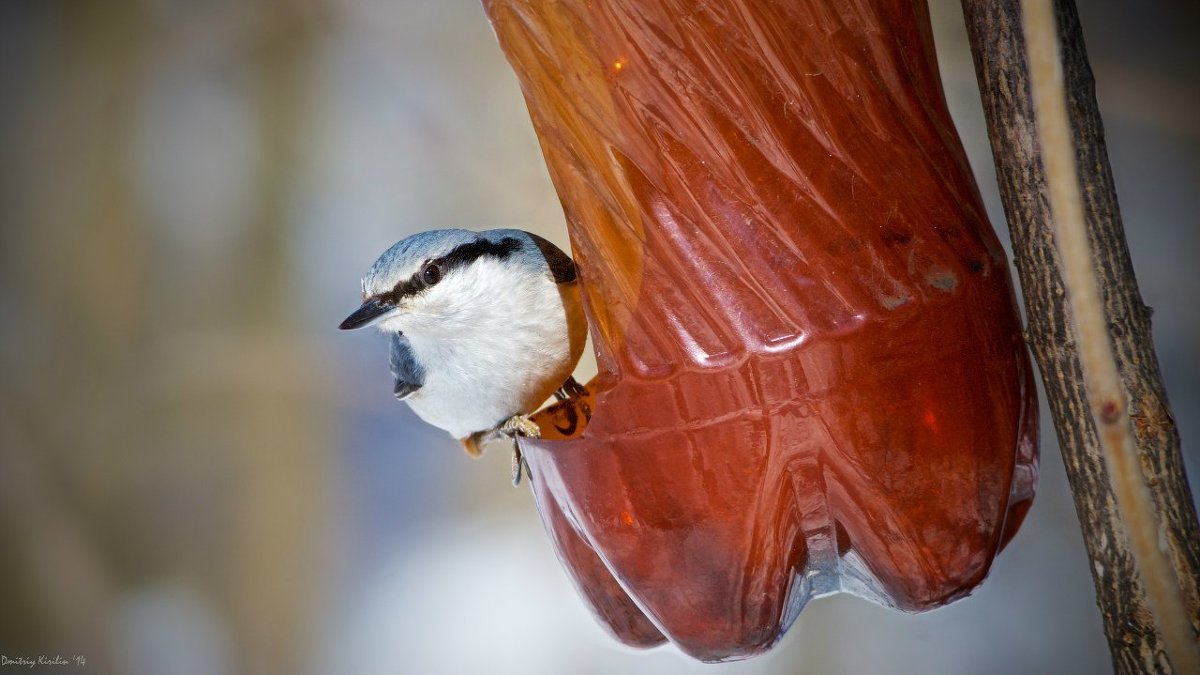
point(467, 253)
point(460, 256)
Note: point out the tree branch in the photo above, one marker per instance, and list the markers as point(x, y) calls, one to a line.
point(1128, 405)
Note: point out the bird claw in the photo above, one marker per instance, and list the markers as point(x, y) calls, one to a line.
point(518, 463)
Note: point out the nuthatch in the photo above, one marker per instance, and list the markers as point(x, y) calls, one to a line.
point(484, 327)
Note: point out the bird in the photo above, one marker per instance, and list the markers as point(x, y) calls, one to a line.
point(484, 327)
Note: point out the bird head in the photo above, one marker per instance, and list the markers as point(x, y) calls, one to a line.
point(434, 277)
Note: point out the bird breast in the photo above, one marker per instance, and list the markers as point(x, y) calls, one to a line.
point(501, 349)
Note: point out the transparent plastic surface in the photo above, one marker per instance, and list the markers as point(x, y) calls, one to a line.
point(812, 375)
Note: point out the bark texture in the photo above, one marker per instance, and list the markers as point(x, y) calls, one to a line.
point(999, 52)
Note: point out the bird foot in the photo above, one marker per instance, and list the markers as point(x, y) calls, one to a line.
point(520, 425)
point(570, 389)
point(513, 427)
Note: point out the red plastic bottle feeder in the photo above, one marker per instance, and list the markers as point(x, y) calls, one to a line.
point(812, 374)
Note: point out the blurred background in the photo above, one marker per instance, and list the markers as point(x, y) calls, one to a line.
point(200, 475)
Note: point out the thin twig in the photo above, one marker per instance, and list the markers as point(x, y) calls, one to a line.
point(1102, 381)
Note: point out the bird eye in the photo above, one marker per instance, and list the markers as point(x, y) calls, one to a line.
point(431, 274)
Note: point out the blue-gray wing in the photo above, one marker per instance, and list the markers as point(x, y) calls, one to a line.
point(562, 268)
point(408, 372)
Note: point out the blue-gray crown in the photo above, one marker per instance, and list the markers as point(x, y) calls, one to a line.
point(405, 258)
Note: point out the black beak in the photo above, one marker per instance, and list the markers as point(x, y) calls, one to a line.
point(372, 309)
